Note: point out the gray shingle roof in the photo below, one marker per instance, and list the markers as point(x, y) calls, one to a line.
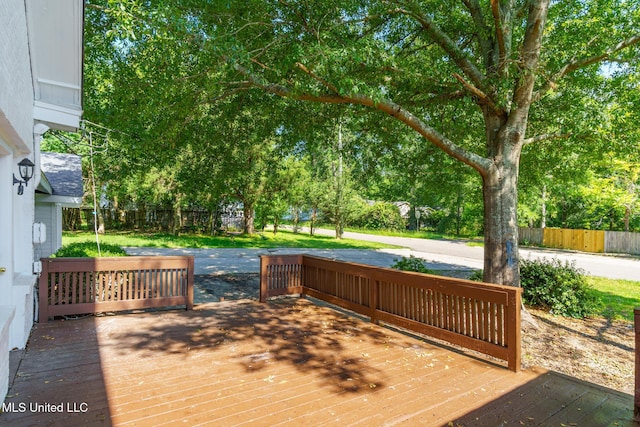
point(64, 173)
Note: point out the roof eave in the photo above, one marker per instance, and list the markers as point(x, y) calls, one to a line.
point(64, 201)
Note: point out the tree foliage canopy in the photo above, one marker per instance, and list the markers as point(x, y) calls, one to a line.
point(482, 81)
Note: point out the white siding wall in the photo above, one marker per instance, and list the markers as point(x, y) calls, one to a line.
point(17, 141)
point(6, 261)
point(16, 85)
point(16, 212)
point(5, 321)
point(50, 215)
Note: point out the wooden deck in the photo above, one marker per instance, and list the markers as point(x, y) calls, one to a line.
point(287, 362)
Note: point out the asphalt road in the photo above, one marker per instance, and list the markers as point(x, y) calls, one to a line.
point(458, 253)
point(438, 254)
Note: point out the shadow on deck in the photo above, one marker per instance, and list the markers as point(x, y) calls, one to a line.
point(288, 362)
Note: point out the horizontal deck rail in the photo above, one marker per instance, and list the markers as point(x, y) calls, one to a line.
point(636, 317)
point(477, 316)
point(69, 286)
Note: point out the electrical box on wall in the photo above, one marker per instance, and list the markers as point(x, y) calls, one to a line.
point(39, 232)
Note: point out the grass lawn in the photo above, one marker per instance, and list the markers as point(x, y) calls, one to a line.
point(395, 233)
point(414, 234)
point(284, 239)
point(618, 297)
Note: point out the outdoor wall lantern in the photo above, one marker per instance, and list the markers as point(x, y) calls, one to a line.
point(26, 173)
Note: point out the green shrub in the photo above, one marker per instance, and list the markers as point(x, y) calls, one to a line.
point(379, 216)
point(558, 287)
point(411, 264)
point(88, 250)
point(476, 276)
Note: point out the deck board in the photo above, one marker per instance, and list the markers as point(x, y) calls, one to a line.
point(288, 362)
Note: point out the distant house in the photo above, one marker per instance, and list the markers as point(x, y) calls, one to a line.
point(404, 208)
point(232, 217)
point(41, 56)
point(60, 186)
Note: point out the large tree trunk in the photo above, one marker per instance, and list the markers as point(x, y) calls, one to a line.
point(249, 226)
point(501, 226)
point(505, 132)
point(505, 137)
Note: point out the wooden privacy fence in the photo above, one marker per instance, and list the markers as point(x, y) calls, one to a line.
point(93, 285)
point(582, 240)
point(477, 316)
point(622, 242)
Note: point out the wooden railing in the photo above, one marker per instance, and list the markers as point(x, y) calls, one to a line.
point(70, 286)
point(637, 393)
point(477, 316)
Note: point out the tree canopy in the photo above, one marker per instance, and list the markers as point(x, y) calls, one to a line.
point(485, 82)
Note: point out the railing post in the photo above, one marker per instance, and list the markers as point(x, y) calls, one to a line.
point(43, 292)
point(190, 279)
point(264, 285)
point(514, 339)
point(636, 409)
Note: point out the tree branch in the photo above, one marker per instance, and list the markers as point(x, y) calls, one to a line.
point(323, 82)
point(545, 137)
point(576, 64)
point(479, 163)
point(497, 19)
point(484, 99)
point(226, 94)
point(531, 47)
point(479, 20)
point(445, 42)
